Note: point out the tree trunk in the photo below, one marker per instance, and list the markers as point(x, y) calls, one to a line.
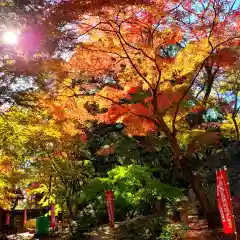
point(160, 207)
point(69, 206)
point(236, 128)
point(211, 212)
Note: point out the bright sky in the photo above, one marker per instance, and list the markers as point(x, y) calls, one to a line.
point(10, 37)
point(237, 3)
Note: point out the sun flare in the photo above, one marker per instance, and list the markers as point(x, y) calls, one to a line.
point(10, 38)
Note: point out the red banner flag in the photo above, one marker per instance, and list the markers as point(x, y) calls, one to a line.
point(110, 206)
point(25, 216)
point(224, 201)
point(53, 218)
point(7, 219)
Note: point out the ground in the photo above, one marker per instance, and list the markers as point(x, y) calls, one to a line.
point(197, 231)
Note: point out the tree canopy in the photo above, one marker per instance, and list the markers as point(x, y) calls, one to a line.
point(109, 94)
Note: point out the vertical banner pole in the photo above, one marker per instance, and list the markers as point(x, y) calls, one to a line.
point(7, 219)
point(224, 201)
point(110, 206)
point(25, 216)
point(53, 218)
point(236, 235)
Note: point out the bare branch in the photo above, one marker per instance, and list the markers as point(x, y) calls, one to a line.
point(183, 96)
point(131, 46)
point(167, 12)
point(193, 80)
point(104, 51)
point(201, 90)
point(212, 28)
point(132, 63)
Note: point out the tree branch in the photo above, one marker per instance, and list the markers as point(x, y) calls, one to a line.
point(131, 46)
point(193, 80)
point(133, 65)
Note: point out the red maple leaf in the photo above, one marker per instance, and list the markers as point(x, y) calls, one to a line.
point(83, 137)
point(113, 114)
point(140, 109)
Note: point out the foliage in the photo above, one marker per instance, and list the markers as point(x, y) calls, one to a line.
point(31, 224)
point(132, 186)
point(143, 67)
point(62, 176)
point(138, 81)
point(22, 133)
point(152, 69)
point(33, 149)
point(142, 228)
point(173, 231)
point(83, 226)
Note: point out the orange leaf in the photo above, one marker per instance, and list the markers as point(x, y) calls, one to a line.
point(106, 150)
point(140, 109)
point(138, 126)
point(113, 114)
point(58, 112)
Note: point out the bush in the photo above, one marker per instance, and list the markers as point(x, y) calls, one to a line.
point(143, 228)
point(89, 218)
point(173, 232)
point(135, 190)
point(31, 224)
point(82, 226)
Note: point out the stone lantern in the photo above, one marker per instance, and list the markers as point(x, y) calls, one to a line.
point(183, 205)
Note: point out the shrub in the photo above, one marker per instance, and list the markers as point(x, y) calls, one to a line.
point(31, 224)
point(173, 232)
point(85, 222)
point(132, 185)
point(143, 228)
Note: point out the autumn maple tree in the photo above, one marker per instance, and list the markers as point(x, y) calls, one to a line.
point(150, 66)
point(141, 66)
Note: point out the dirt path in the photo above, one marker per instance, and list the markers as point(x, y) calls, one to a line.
point(103, 233)
point(200, 231)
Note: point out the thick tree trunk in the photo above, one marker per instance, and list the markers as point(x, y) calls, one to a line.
point(211, 212)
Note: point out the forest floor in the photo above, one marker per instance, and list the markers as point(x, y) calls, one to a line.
point(103, 233)
point(197, 231)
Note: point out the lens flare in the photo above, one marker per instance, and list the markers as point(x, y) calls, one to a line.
point(10, 38)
